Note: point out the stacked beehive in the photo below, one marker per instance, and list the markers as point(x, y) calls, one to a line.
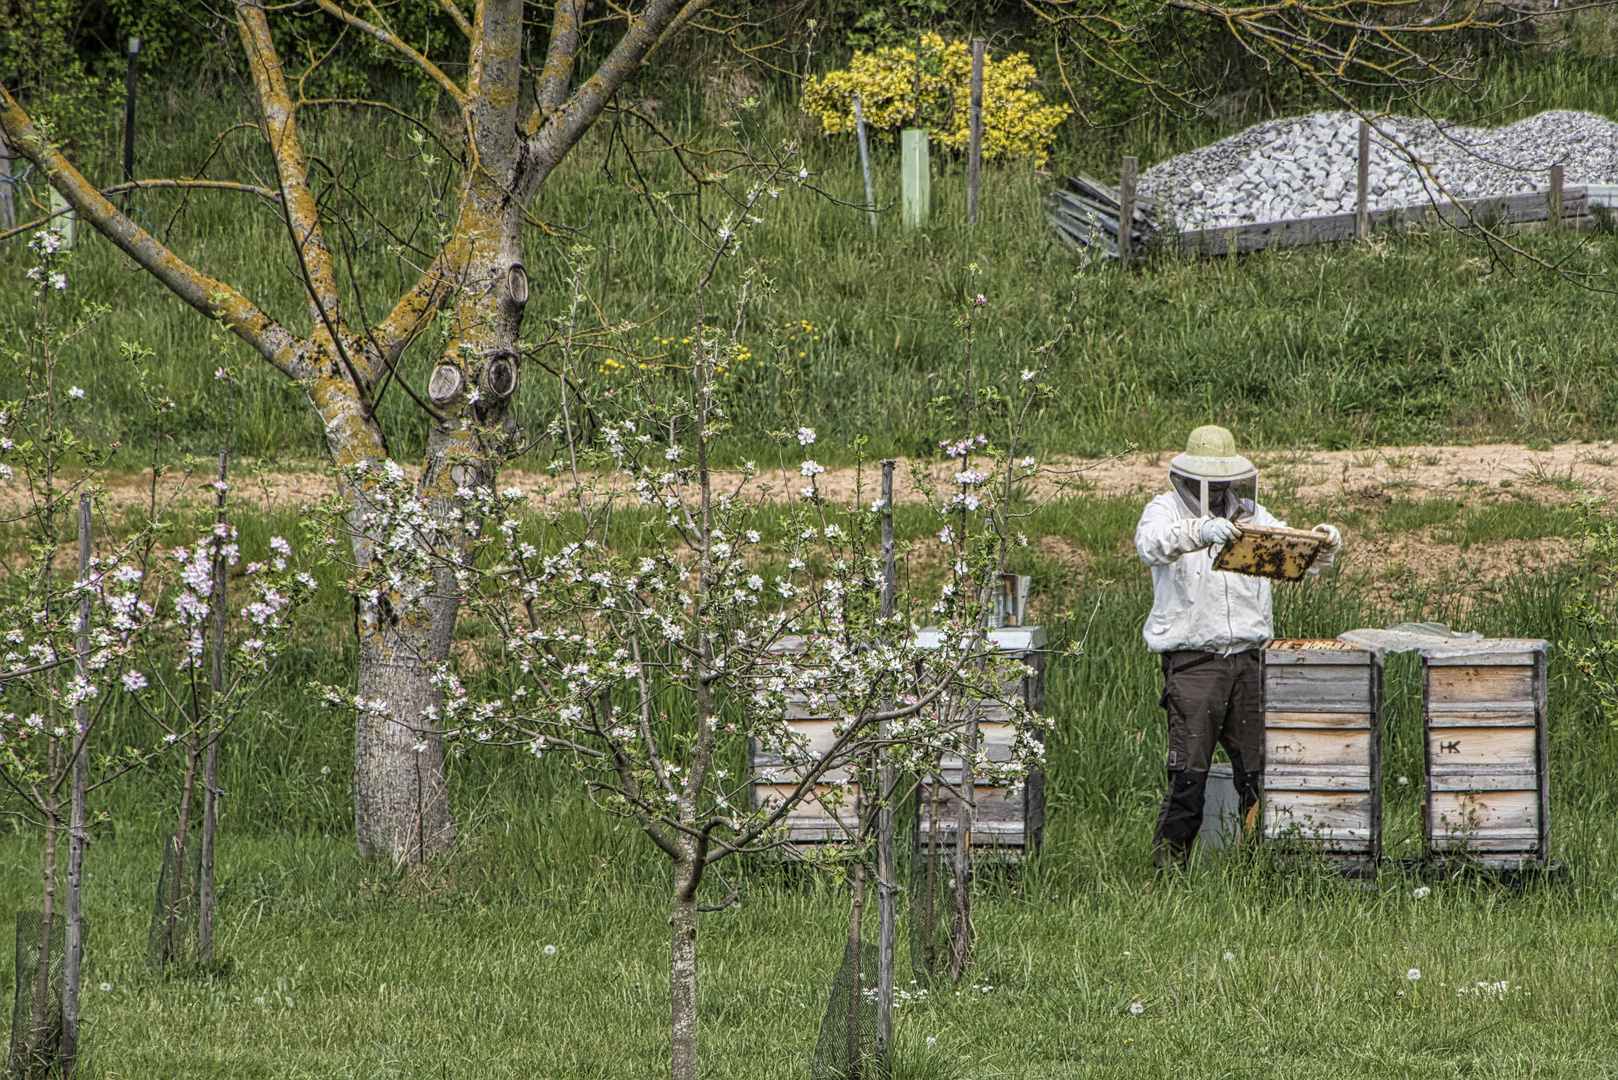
point(1487, 777)
point(831, 814)
point(1007, 818)
point(1323, 748)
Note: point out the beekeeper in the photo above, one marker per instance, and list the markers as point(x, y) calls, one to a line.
point(1208, 625)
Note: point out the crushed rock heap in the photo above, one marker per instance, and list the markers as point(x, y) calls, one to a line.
point(1306, 166)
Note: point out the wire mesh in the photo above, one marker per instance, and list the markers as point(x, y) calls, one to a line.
point(172, 937)
point(930, 908)
point(846, 1048)
point(36, 1009)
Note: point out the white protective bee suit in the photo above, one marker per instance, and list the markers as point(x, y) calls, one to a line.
point(1206, 625)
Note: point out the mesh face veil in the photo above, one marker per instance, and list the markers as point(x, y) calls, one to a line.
point(1234, 499)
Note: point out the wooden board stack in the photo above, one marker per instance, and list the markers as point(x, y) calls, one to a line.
point(1487, 775)
point(1323, 748)
point(1007, 819)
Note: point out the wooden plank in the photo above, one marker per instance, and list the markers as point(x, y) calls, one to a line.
point(1479, 683)
point(1482, 778)
point(1306, 815)
point(1284, 719)
point(1335, 228)
point(1480, 714)
point(1490, 658)
point(1484, 820)
point(813, 820)
point(1469, 746)
point(1344, 657)
point(1318, 778)
point(1316, 746)
point(1317, 690)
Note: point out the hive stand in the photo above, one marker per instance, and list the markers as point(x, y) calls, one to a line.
point(1323, 749)
point(1009, 820)
point(1488, 784)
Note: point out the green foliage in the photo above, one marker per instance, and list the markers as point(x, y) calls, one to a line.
point(41, 66)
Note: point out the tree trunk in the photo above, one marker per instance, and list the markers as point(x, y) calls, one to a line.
point(401, 804)
point(683, 978)
point(37, 1053)
point(961, 939)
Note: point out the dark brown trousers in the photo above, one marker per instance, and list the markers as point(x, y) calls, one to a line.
point(1210, 699)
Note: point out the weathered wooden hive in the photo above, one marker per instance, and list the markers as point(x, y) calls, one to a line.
point(830, 814)
point(1007, 818)
point(1323, 748)
point(1487, 757)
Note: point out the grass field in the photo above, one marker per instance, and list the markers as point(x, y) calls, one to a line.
point(1288, 347)
point(311, 936)
point(330, 967)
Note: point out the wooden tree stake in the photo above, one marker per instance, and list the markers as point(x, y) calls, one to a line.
point(1555, 206)
point(129, 111)
point(1126, 210)
point(887, 889)
point(1362, 194)
point(974, 154)
point(80, 766)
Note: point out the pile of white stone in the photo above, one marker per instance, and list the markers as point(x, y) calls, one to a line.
point(1307, 166)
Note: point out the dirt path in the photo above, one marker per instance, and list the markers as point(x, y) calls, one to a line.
point(1557, 474)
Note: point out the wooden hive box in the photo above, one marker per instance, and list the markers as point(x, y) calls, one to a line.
point(821, 818)
point(1487, 757)
point(1011, 818)
point(1323, 748)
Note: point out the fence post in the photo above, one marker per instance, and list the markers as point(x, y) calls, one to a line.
point(865, 160)
point(1126, 210)
point(8, 210)
point(129, 113)
point(80, 768)
point(1362, 196)
point(974, 153)
point(886, 887)
point(1555, 199)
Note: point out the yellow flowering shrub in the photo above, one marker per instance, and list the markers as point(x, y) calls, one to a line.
point(1017, 123)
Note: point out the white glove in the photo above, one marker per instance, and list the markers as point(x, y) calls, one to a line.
point(1334, 539)
point(1219, 531)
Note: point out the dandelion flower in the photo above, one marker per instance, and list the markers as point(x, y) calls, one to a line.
point(106, 986)
point(550, 950)
point(1414, 974)
point(1404, 781)
point(1229, 956)
point(1136, 1008)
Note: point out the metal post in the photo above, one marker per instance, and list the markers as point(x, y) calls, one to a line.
point(1555, 199)
point(886, 887)
point(974, 153)
point(80, 766)
point(129, 112)
point(1126, 210)
point(916, 175)
point(1362, 194)
point(865, 160)
point(8, 208)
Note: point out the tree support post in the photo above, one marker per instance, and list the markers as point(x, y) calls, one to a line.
point(886, 886)
point(1126, 210)
point(1362, 196)
point(80, 766)
point(865, 161)
point(974, 153)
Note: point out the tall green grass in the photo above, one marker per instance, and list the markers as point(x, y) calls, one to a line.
point(1408, 340)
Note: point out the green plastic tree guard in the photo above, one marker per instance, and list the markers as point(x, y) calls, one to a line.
point(916, 175)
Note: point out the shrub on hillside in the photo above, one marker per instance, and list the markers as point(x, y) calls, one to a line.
point(929, 86)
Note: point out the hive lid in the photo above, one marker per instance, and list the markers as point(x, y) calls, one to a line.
point(1436, 641)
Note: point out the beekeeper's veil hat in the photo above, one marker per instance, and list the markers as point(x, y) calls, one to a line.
point(1210, 458)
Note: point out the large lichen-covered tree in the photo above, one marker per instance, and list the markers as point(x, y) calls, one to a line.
point(515, 128)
